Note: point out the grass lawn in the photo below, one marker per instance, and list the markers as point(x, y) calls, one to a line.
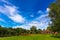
point(32, 37)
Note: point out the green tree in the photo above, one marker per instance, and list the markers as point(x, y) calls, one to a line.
point(49, 28)
point(38, 31)
point(33, 29)
point(55, 16)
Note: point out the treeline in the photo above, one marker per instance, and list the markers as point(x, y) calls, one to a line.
point(18, 31)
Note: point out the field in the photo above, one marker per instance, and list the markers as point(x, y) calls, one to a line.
point(31, 37)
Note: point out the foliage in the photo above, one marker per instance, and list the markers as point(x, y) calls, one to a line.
point(17, 31)
point(55, 16)
point(33, 29)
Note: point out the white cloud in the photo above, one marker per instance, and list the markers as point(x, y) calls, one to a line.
point(17, 18)
point(8, 10)
point(43, 12)
point(12, 13)
point(40, 25)
point(48, 9)
point(43, 16)
point(39, 22)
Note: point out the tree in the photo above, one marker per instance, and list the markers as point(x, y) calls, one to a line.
point(33, 29)
point(1, 31)
point(39, 31)
point(49, 28)
point(55, 16)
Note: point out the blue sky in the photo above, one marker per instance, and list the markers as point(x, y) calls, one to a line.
point(24, 13)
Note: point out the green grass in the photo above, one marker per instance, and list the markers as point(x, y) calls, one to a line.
point(32, 37)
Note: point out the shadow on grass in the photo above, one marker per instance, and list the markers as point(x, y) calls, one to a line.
point(56, 36)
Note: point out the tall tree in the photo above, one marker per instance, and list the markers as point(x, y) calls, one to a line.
point(55, 16)
point(33, 29)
